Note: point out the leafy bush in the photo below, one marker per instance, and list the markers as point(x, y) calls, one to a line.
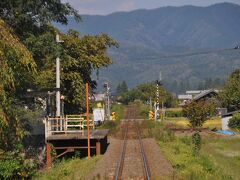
point(13, 165)
point(174, 114)
point(196, 141)
point(199, 112)
point(113, 126)
point(234, 122)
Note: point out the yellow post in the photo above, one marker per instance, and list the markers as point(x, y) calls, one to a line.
point(87, 114)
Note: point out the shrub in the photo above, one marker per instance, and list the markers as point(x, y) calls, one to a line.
point(199, 112)
point(234, 122)
point(196, 142)
point(174, 114)
point(14, 166)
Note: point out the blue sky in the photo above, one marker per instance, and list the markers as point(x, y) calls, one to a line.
point(104, 7)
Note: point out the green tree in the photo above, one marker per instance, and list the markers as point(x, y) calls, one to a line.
point(32, 16)
point(82, 55)
point(230, 94)
point(122, 88)
point(199, 112)
point(16, 68)
point(144, 91)
point(234, 122)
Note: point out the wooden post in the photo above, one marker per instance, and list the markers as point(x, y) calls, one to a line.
point(49, 157)
point(98, 147)
point(88, 128)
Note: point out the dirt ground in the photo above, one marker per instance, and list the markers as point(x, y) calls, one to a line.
point(133, 168)
point(160, 168)
point(105, 168)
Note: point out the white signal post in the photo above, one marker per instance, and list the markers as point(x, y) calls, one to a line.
point(58, 94)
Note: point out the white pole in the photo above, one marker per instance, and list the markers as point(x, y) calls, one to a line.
point(58, 101)
point(108, 103)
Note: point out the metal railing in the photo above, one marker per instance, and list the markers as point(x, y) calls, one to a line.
point(68, 124)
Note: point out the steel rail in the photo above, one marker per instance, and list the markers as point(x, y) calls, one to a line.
point(121, 159)
point(120, 164)
point(144, 158)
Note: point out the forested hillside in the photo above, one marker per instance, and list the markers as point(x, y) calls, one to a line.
point(146, 36)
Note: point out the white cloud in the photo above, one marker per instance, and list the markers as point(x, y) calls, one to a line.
point(127, 6)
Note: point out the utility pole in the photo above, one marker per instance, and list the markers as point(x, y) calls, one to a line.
point(58, 96)
point(158, 83)
point(107, 101)
point(58, 101)
point(88, 128)
point(157, 103)
point(150, 103)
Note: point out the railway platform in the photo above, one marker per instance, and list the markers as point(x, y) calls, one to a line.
point(67, 135)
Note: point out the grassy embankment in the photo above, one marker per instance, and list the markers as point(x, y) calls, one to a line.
point(219, 157)
point(69, 169)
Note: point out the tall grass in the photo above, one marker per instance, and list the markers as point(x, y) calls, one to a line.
point(69, 169)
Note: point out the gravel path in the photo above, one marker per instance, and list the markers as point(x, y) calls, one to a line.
point(160, 168)
point(105, 167)
point(133, 164)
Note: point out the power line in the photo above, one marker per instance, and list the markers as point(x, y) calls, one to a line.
point(152, 58)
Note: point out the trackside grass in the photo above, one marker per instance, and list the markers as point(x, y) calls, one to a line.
point(211, 163)
point(219, 157)
point(69, 169)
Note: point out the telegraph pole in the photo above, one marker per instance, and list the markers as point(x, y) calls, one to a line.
point(58, 106)
point(88, 128)
point(58, 96)
point(107, 101)
point(157, 106)
point(157, 103)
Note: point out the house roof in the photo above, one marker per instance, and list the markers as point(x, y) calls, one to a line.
point(205, 93)
point(230, 113)
point(194, 92)
point(99, 97)
point(185, 97)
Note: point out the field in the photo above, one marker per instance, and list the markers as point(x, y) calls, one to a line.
point(183, 122)
point(219, 158)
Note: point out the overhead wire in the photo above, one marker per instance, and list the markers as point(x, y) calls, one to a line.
point(155, 58)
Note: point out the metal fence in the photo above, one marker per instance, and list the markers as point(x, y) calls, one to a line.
point(68, 124)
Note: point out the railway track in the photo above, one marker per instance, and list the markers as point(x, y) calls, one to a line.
point(137, 159)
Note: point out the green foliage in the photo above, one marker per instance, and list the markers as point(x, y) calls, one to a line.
point(16, 70)
point(196, 142)
point(70, 169)
point(13, 165)
point(230, 95)
point(234, 122)
point(119, 110)
point(199, 112)
point(174, 114)
point(144, 91)
point(155, 130)
point(113, 126)
point(122, 88)
point(33, 15)
point(203, 166)
point(81, 56)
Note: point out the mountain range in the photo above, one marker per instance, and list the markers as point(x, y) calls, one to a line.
point(185, 43)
